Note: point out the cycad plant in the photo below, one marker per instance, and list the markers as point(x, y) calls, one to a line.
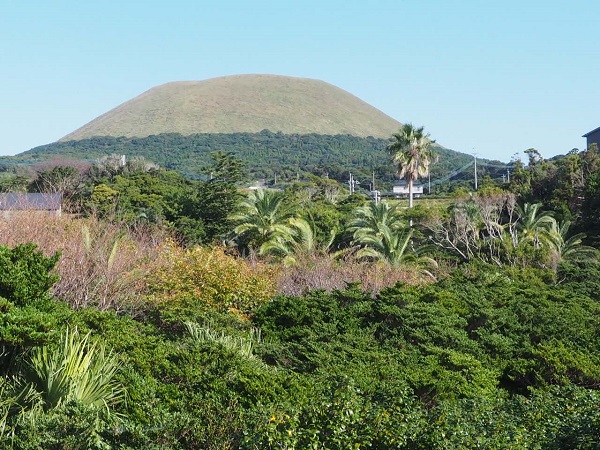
point(262, 215)
point(533, 224)
point(569, 248)
point(372, 218)
point(383, 235)
point(298, 239)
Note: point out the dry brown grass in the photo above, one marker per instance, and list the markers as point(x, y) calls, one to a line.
point(318, 271)
point(101, 264)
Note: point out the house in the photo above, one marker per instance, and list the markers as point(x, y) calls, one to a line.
point(17, 203)
point(401, 190)
point(593, 137)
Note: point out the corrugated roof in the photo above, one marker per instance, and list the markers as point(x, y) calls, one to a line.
point(24, 202)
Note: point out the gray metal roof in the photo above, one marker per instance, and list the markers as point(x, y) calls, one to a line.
point(593, 131)
point(25, 202)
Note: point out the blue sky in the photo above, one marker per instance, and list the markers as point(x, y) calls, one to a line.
point(494, 78)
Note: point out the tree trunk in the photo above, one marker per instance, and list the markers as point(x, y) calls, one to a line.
point(410, 193)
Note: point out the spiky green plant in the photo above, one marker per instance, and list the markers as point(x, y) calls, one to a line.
point(242, 345)
point(570, 248)
point(372, 218)
point(297, 241)
point(261, 216)
point(534, 224)
point(78, 370)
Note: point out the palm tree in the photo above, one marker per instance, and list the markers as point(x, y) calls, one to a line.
point(572, 248)
point(299, 239)
point(411, 154)
point(393, 247)
point(533, 224)
point(385, 246)
point(371, 218)
point(262, 216)
point(384, 236)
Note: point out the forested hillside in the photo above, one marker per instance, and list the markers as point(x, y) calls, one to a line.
point(265, 154)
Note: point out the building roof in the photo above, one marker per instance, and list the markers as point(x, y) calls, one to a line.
point(593, 131)
point(404, 183)
point(24, 202)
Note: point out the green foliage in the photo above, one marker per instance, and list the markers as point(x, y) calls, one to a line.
point(28, 315)
point(490, 356)
point(103, 200)
point(77, 370)
point(25, 276)
point(339, 416)
point(72, 426)
point(462, 337)
point(209, 205)
point(266, 154)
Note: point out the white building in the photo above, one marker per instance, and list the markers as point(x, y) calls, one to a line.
point(401, 190)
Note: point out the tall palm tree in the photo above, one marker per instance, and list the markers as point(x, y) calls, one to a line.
point(412, 155)
point(262, 216)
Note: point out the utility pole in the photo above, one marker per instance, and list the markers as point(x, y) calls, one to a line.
point(352, 182)
point(429, 182)
point(475, 170)
point(508, 175)
point(374, 192)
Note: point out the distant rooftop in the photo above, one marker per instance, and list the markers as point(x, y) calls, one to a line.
point(25, 202)
point(590, 132)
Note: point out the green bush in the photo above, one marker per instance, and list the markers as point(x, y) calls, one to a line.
point(25, 274)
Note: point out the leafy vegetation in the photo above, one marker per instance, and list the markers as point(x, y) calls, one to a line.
point(266, 155)
point(307, 318)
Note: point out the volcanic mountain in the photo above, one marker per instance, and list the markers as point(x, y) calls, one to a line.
point(241, 103)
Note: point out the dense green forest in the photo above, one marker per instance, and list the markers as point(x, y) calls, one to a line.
point(266, 155)
point(168, 312)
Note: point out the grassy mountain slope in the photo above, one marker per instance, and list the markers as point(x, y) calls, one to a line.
point(241, 103)
point(279, 126)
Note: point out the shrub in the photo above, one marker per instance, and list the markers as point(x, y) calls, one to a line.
point(211, 278)
point(101, 264)
point(25, 274)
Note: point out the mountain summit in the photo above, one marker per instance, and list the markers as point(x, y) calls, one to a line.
point(241, 103)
